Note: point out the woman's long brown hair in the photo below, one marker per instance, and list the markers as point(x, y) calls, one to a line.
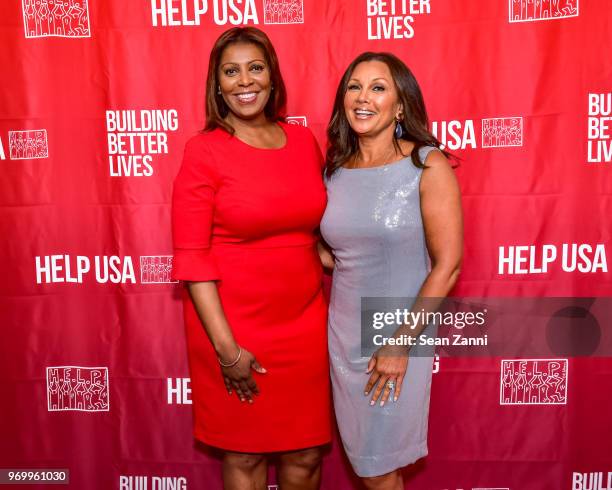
point(342, 140)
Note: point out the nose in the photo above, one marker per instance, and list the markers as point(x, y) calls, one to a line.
point(362, 96)
point(245, 78)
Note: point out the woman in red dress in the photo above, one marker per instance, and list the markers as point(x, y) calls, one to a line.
point(246, 203)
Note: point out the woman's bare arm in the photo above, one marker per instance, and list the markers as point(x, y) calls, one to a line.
point(205, 297)
point(206, 300)
point(443, 224)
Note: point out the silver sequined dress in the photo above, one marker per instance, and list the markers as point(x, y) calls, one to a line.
point(373, 224)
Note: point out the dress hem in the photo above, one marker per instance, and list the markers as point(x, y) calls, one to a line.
point(245, 448)
point(417, 453)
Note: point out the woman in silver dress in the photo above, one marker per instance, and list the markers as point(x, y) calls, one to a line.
point(392, 228)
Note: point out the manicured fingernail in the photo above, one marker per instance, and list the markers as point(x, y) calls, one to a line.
point(382, 403)
point(394, 398)
point(372, 403)
point(365, 393)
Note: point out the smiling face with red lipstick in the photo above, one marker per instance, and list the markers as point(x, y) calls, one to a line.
point(244, 81)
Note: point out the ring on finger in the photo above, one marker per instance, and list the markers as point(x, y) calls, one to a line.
point(390, 384)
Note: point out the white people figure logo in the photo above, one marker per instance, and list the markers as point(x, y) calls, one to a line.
point(530, 10)
point(25, 145)
point(79, 388)
point(155, 269)
point(496, 132)
point(502, 131)
point(297, 120)
point(533, 382)
point(58, 18)
point(283, 11)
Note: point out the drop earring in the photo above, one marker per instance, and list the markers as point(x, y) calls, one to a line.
point(219, 89)
point(399, 130)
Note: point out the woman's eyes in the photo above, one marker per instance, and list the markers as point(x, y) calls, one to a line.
point(375, 88)
point(233, 71)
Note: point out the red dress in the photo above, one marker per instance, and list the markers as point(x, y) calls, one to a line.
point(246, 217)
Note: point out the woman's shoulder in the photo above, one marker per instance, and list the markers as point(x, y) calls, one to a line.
point(203, 149)
point(207, 145)
point(426, 150)
point(433, 157)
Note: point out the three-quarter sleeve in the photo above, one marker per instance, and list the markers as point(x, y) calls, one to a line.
point(193, 200)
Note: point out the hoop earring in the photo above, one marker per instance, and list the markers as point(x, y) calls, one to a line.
point(399, 130)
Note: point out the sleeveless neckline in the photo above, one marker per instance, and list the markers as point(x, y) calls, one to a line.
point(378, 167)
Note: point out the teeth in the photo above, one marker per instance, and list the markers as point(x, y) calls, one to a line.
point(364, 112)
point(247, 97)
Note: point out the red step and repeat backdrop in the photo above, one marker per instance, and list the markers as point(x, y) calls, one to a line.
point(97, 100)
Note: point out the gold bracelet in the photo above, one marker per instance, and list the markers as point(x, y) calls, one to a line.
point(231, 363)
